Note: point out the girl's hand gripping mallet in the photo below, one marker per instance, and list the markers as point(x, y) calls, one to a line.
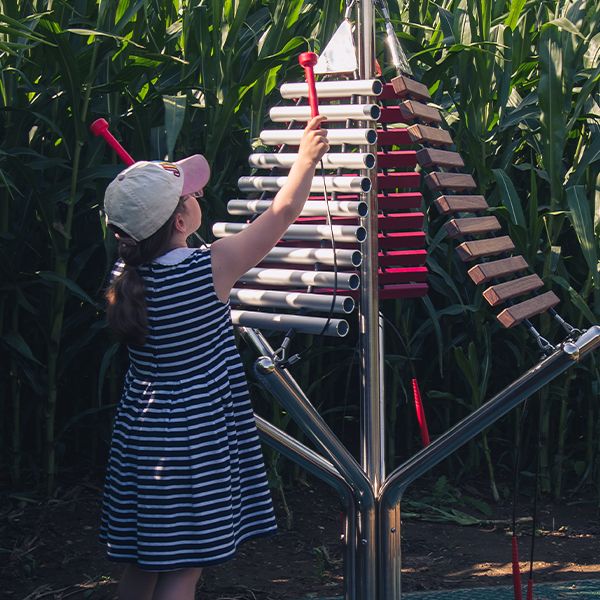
point(100, 127)
point(307, 61)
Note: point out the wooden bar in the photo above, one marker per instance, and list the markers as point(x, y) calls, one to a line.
point(479, 248)
point(450, 181)
point(412, 110)
point(454, 204)
point(399, 201)
point(402, 290)
point(434, 136)
point(429, 157)
point(397, 158)
point(487, 271)
point(394, 181)
point(498, 294)
point(407, 87)
point(403, 275)
point(394, 114)
point(402, 258)
point(471, 226)
point(398, 241)
point(393, 137)
point(513, 315)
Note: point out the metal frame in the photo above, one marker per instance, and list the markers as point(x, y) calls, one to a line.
point(372, 500)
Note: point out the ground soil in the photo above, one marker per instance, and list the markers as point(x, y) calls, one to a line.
point(49, 549)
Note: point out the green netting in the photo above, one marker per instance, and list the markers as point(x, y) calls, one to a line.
point(580, 590)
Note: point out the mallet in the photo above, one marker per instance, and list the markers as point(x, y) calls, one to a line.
point(307, 61)
point(100, 127)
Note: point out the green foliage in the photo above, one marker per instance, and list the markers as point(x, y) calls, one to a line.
point(518, 84)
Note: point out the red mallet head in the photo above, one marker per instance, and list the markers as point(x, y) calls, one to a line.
point(100, 127)
point(307, 61)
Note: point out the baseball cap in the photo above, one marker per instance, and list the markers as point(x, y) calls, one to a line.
point(141, 198)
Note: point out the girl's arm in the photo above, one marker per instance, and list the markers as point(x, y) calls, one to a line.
point(235, 255)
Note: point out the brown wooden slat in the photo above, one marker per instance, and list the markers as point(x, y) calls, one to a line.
point(485, 272)
point(479, 248)
point(498, 294)
point(471, 226)
point(513, 315)
point(450, 181)
point(423, 134)
point(454, 204)
point(429, 157)
point(405, 86)
point(412, 110)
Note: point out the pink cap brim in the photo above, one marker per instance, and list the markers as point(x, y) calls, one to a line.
point(196, 173)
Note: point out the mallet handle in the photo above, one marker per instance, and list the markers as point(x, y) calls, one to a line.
point(308, 60)
point(100, 127)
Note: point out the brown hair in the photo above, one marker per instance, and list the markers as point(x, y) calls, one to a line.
point(126, 301)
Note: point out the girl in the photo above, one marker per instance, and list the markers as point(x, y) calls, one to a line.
point(186, 481)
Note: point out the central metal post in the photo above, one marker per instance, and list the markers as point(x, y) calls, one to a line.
point(372, 421)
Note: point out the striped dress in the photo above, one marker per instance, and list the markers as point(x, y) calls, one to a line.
point(186, 481)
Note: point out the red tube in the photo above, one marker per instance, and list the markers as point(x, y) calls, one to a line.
point(420, 414)
point(530, 589)
point(307, 61)
point(516, 569)
point(100, 127)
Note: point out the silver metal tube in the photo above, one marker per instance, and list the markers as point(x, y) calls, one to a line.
point(331, 160)
point(335, 137)
point(312, 208)
point(274, 322)
point(341, 233)
point(294, 277)
point(310, 256)
point(334, 89)
point(333, 112)
point(274, 299)
point(319, 184)
point(372, 435)
point(320, 467)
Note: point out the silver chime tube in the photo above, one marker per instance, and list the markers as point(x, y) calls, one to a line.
point(335, 137)
point(313, 208)
point(347, 185)
point(331, 160)
point(341, 233)
point(333, 112)
point(296, 300)
point(310, 256)
point(334, 89)
point(274, 322)
point(296, 277)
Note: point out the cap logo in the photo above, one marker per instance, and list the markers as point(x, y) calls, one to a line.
point(170, 167)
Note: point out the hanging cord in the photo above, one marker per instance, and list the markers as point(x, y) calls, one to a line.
point(535, 511)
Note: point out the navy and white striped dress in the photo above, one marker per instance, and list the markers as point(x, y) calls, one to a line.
point(186, 481)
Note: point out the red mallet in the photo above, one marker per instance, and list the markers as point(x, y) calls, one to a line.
point(100, 127)
point(307, 61)
point(420, 413)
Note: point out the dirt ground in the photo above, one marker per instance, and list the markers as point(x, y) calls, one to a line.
point(49, 550)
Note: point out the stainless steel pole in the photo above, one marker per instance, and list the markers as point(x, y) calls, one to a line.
point(372, 432)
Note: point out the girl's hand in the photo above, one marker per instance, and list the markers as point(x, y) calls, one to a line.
point(314, 141)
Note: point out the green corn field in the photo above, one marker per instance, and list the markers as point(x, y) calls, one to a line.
point(518, 85)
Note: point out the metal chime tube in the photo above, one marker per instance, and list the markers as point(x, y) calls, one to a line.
point(295, 277)
point(372, 455)
point(310, 256)
point(335, 137)
point(297, 300)
point(334, 89)
point(275, 322)
point(331, 160)
point(333, 112)
point(342, 233)
point(352, 185)
point(313, 208)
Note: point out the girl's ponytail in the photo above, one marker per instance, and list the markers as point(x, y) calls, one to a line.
point(126, 300)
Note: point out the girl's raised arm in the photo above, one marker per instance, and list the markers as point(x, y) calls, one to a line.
point(235, 255)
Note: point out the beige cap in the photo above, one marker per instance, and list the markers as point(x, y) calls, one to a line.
point(141, 198)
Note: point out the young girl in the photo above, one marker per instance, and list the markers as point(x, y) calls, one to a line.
point(186, 481)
